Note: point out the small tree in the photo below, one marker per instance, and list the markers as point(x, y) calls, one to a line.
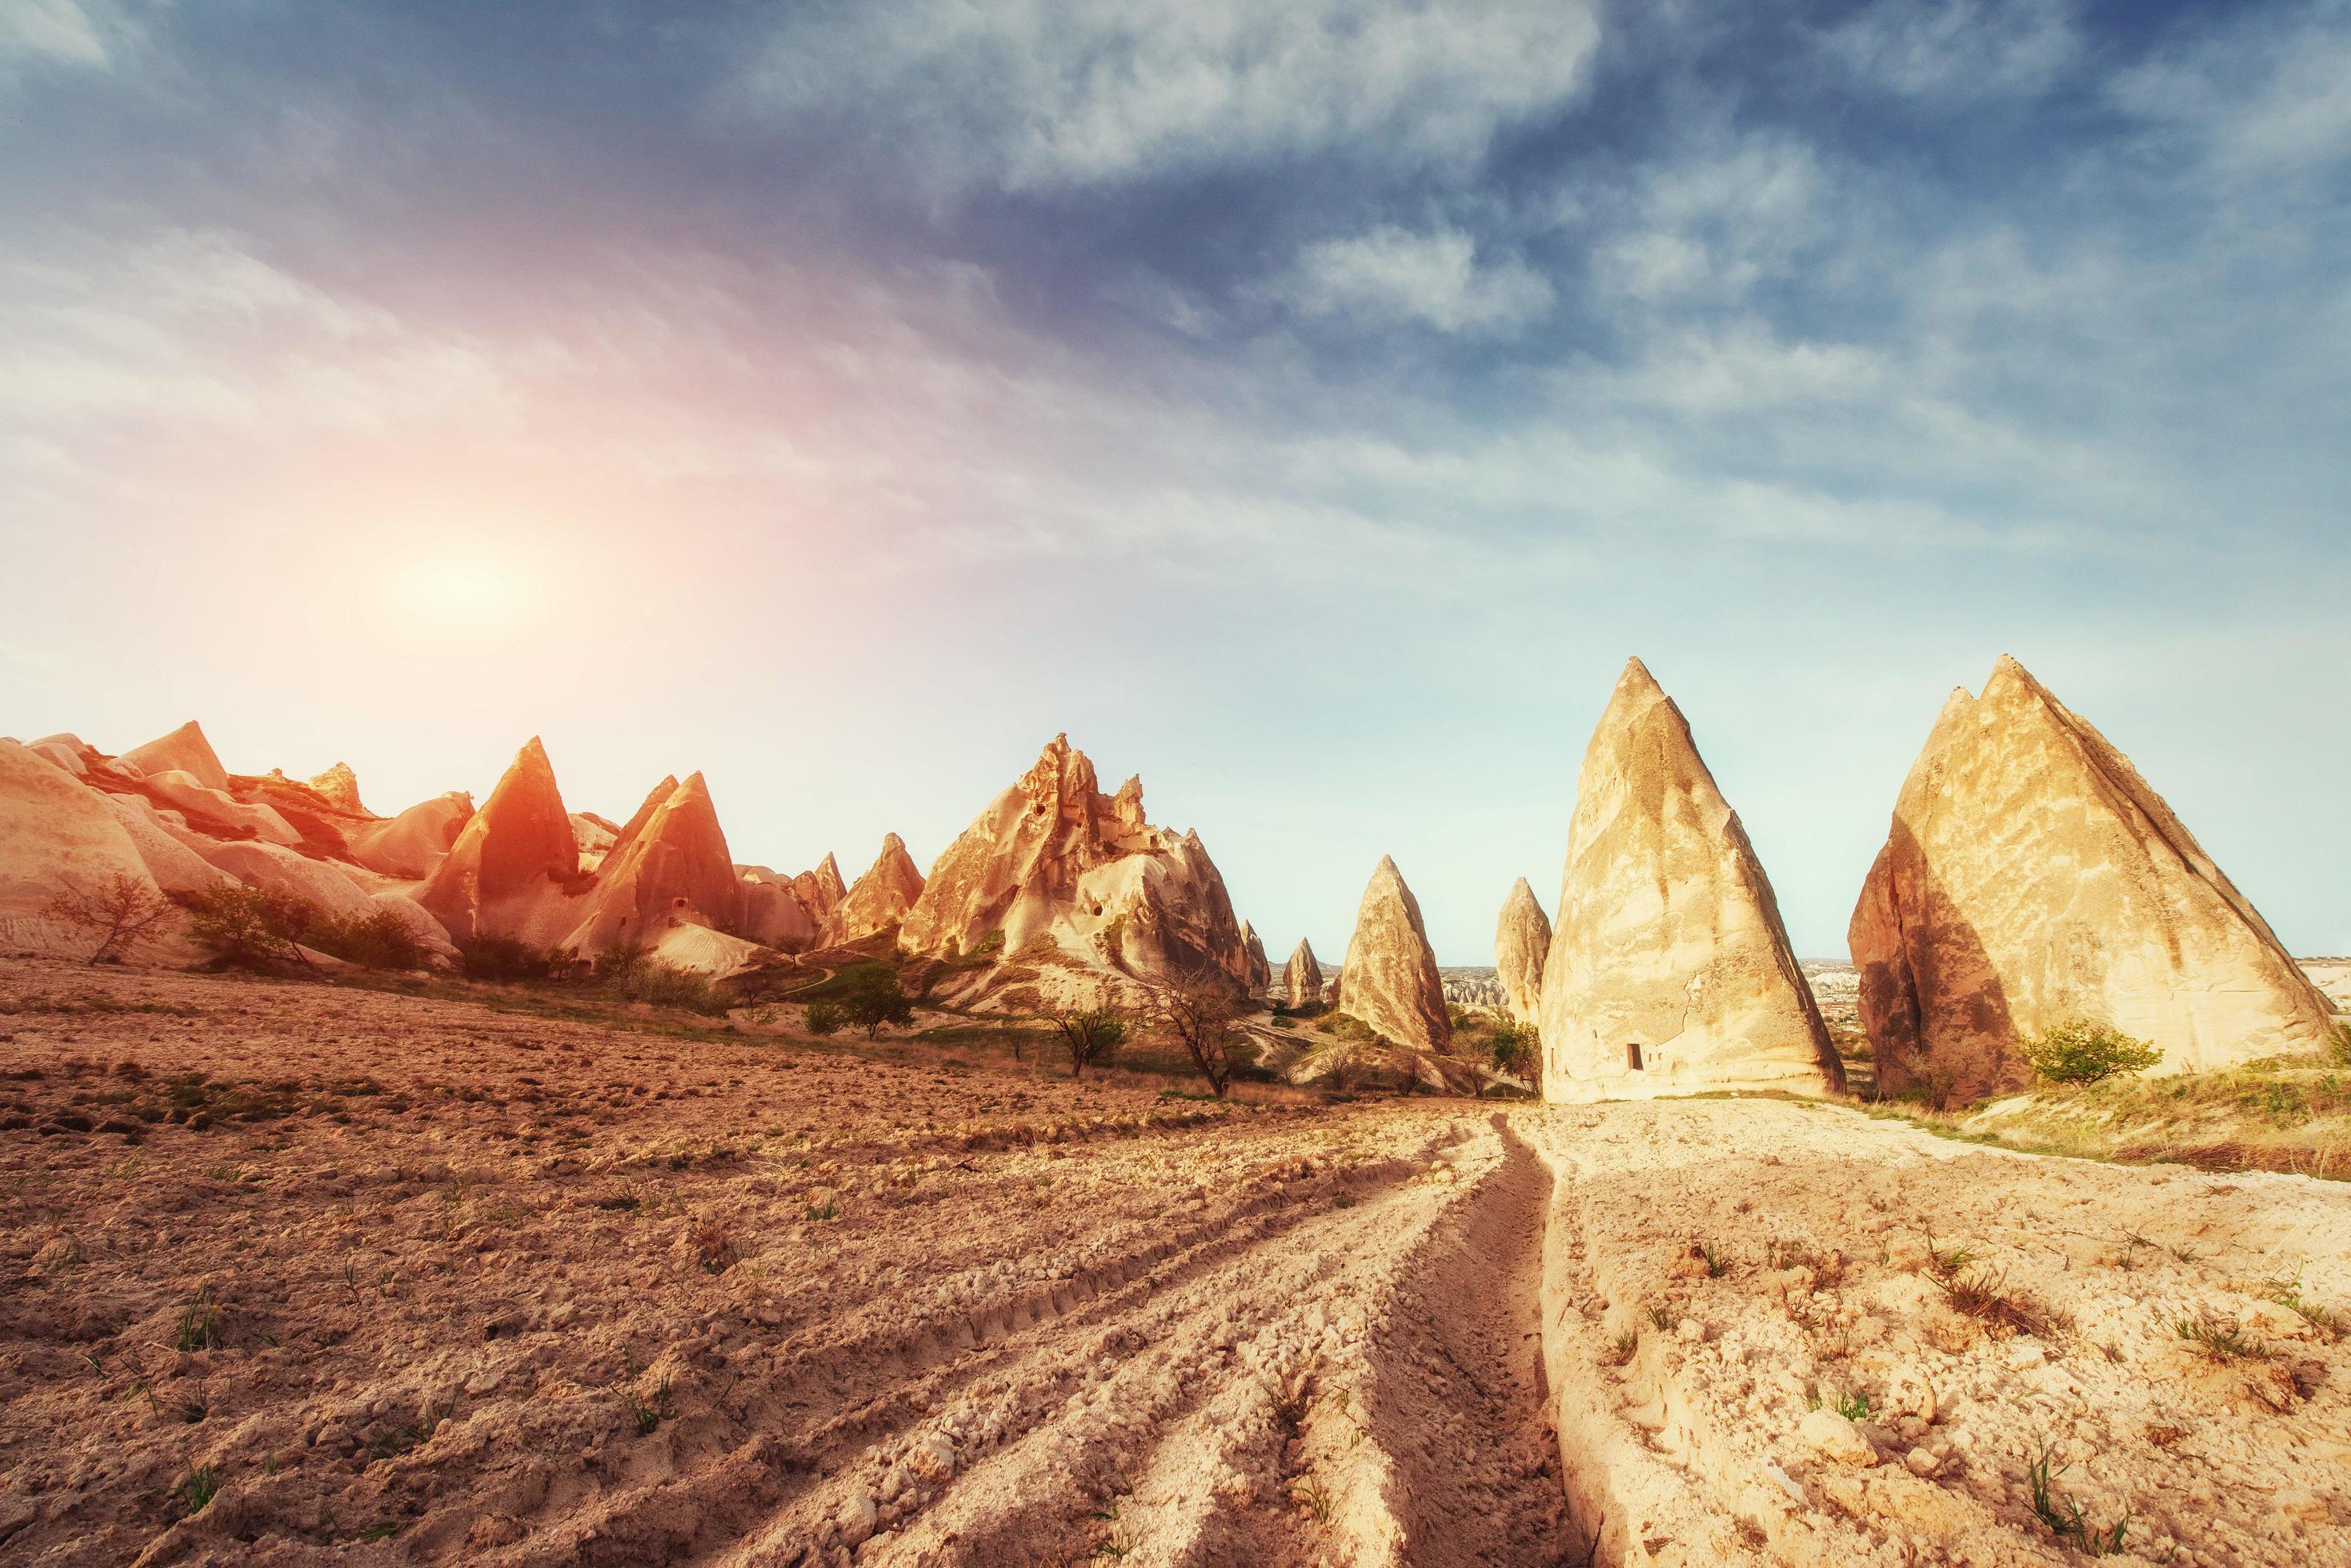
point(117, 912)
point(2079, 1052)
point(1513, 1049)
point(1198, 1008)
point(1090, 1036)
point(876, 999)
point(248, 927)
point(823, 1016)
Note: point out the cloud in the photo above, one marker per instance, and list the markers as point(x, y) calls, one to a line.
point(1039, 95)
point(2272, 94)
point(1958, 50)
point(60, 31)
point(1713, 218)
point(1393, 277)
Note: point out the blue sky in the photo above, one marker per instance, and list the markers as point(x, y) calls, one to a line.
point(1307, 407)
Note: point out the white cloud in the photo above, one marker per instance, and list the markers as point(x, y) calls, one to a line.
point(84, 32)
point(1958, 49)
point(1714, 221)
point(2264, 96)
point(1393, 277)
point(1039, 94)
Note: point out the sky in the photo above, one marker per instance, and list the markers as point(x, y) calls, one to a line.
point(1308, 408)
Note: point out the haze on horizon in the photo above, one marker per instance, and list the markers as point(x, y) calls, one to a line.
point(1308, 408)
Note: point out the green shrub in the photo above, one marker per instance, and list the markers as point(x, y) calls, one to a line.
point(659, 987)
point(620, 960)
point(2079, 1052)
point(878, 1000)
point(249, 927)
point(501, 958)
point(1513, 1049)
point(380, 940)
point(825, 1016)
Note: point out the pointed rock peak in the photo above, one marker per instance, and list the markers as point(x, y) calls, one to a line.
point(828, 871)
point(1522, 945)
point(1248, 932)
point(694, 786)
point(1389, 981)
point(186, 750)
point(1522, 892)
point(340, 787)
point(893, 845)
point(1304, 951)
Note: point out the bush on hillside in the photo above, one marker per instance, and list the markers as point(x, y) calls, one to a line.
point(2079, 1052)
point(659, 987)
point(1513, 1049)
point(248, 928)
point(501, 958)
point(378, 940)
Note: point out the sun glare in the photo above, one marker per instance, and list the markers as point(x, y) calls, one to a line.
point(468, 590)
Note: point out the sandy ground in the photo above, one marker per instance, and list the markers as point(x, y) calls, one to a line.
point(419, 1280)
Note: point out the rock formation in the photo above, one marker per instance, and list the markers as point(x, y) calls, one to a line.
point(1302, 977)
point(1053, 856)
point(1521, 943)
point(821, 890)
point(669, 867)
point(2031, 877)
point(340, 788)
point(1389, 981)
point(1261, 972)
point(185, 749)
point(881, 898)
point(772, 913)
point(412, 844)
point(510, 868)
point(595, 835)
point(55, 835)
point(1669, 971)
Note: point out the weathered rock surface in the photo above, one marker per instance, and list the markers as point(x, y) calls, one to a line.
point(1302, 977)
point(340, 788)
point(821, 890)
point(511, 868)
point(1521, 943)
point(410, 845)
point(670, 866)
point(772, 914)
point(2032, 877)
point(881, 898)
point(1389, 981)
point(1261, 972)
point(1054, 855)
point(214, 811)
point(186, 750)
point(54, 834)
point(595, 835)
point(1669, 971)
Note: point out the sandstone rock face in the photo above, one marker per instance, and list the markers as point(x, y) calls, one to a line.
point(821, 890)
point(669, 869)
point(1669, 971)
point(1302, 977)
point(55, 834)
point(340, 788)
point(216, 812)
point(1261, 972)
point(1054, 855)
point(881, 897)
point(176, 867)
point(513, 860)
point(772, 913)
point(281, 870)
point(616, 849)
point(185, 749)
point(1521, 943)
point(595, 837)
point(1389, 981)
point(410, 845)
point(2032, 877)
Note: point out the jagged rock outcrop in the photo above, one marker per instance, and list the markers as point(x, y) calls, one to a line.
point(513, 864)
point(55, 835)
point(1669, 971)
point(2031, 877)
point(1054, 855)
point(340, 787)
point(881, 898)
point(215, 812)
point(669, 867)
point(1302, 977)
point(1389, 981)
point(412, 844)
point(185, 750)
point(772, 914)
point(1261, 972)
point(1521, 943)
point(821, 890)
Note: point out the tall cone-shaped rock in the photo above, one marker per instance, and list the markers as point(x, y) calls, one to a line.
point(673, 869)
point(511, 859)
point(1261, 972)
point(881, 898)
point(1521, 943)
point(1053, 856)
point(821, 890)
point(1389, 979)
point(1302, 977)
point(2032, 877)
point(185, 749)
point(1669, 971)
point(655, 798)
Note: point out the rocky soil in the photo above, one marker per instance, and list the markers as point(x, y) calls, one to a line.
point(292, 1272)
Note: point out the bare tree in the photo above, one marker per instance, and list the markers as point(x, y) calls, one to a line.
point(121, 908)
point(1199, 1008)
point(1089, 1035)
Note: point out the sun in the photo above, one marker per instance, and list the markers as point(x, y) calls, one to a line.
point(463, 591)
